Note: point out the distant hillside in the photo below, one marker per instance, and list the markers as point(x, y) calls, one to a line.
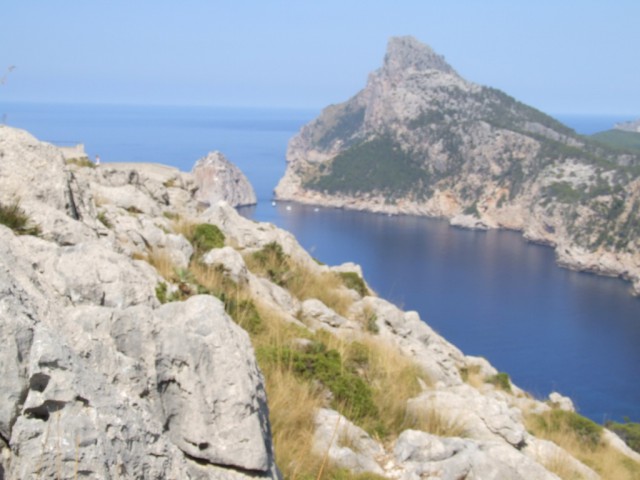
point(420, 139)
point(624, 140)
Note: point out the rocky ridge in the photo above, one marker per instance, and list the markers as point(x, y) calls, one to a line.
point(421, 140)
point(101, 379)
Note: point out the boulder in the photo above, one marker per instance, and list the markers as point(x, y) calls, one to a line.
point(217, 179)
point(345, 444)
point(422, 455)
point(484, 417)
point(231, 263)
point(212, 393)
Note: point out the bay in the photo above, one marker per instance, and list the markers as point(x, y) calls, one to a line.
point(490, 293)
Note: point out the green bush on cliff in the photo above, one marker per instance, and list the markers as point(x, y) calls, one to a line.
point(274, 263)
point(589, 432)
point(501, 380)
point(352, 396)
point(355, 282)
point(206, 237)
point(627, 431)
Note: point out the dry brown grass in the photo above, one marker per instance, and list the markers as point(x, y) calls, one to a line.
point(184, 226)
point(215, 280)
point(292, 406)
point(326, 287)
point(436, 423)
point(562, 468)
point(160, 260)
point(606, 461)
point(473, 376)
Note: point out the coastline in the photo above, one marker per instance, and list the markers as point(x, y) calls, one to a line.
point(569, 256)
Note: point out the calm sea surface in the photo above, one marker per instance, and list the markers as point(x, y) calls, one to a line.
point(490, 293)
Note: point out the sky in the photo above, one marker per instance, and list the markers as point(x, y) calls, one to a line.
point(566, 56)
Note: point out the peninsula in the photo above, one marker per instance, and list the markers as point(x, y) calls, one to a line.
point(419, 139)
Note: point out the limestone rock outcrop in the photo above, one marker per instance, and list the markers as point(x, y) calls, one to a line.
point(218, 179)
point(419, 139)
point(99, 379)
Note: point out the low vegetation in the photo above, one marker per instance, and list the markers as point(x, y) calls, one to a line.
point(16, 219)
point(206, 237)
point(83, 162)
point(625, 141)
point(582, 438)
point(627, 431)
point(271, 262)
point(375, 166)
point(501, 380)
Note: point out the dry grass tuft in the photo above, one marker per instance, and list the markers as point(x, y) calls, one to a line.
point(183, 226)
point(436, 423)
point(161, 261)
point(473, 376)
point(326, 287)
point(606, 461)
point(292, 406)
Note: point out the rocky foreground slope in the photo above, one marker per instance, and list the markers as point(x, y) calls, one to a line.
point(420, 139)
point(125, 350)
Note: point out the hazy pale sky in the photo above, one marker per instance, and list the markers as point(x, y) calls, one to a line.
point(561, 56)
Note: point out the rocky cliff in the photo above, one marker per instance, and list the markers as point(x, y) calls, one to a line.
point(420, 139)
point(134, 320)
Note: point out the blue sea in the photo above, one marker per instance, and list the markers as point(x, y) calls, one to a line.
point(490, 293)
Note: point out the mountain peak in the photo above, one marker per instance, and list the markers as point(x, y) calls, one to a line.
point(408, 53)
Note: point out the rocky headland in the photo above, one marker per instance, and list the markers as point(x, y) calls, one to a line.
point(632, 126)
point(419, 139)
point(150, 335)
point(217, 179)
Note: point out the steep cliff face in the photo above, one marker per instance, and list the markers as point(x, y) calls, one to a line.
point(420, 139)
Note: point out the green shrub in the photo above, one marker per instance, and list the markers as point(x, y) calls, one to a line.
point(501, 380)
point(351, 395)
point(206, 237)
point(372, 324)
point(627, 431)
point(17, 220)
point(589, 432)
point(355, 282)
point(171, 215)
point(161, 292)
point(472, 210)
point(274, 263)
point(244, 313)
